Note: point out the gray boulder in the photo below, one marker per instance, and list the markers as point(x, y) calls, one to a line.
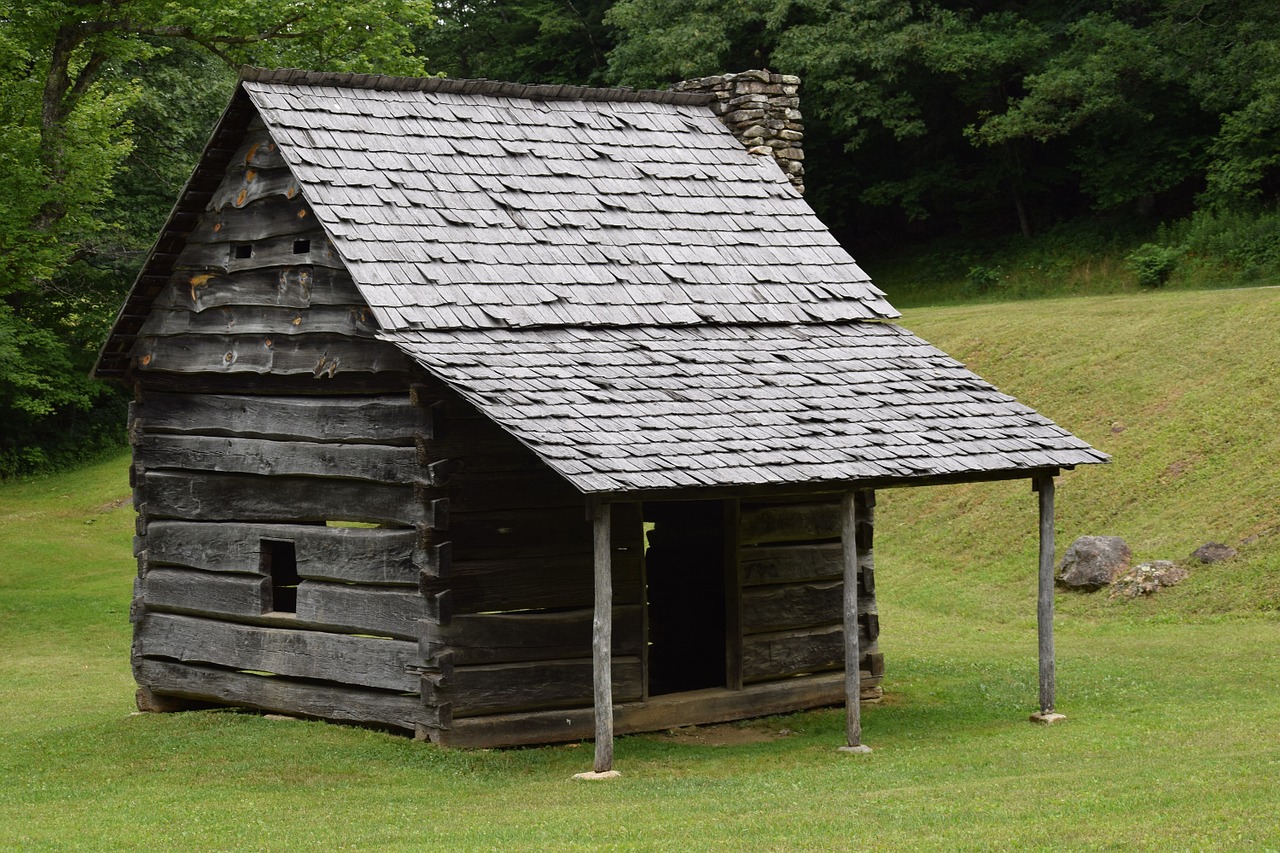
point(1092, 562)
point(1213, 552)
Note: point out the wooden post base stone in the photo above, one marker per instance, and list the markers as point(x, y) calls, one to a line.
point(591, 775)
point(860, 749)
point(1047, 718)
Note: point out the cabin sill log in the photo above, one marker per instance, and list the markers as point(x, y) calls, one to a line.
point(672, 710)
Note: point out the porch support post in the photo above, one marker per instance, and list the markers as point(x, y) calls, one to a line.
point(852, 650)
point(602, 643)
point(1044, 603)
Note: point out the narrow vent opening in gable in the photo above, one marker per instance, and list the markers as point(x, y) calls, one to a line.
point(301, 247)
point(244, 250)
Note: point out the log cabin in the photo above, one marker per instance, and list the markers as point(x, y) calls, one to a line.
point(508, 414)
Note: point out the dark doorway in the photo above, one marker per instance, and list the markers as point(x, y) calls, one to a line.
point(280, 561)
point(685, 571)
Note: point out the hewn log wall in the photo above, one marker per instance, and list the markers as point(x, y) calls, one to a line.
point(790, 562)
point(509, 583)
point(267, 413)
point(269, 419)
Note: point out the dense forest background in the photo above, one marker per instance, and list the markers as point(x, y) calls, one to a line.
point(955, 129)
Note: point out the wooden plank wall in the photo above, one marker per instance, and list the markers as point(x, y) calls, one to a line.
point(267, 412)
point(792, 591)
point(509, 584)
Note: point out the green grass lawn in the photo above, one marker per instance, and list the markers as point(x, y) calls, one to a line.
point(1173, 732)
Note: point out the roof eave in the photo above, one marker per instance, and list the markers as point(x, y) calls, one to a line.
point(780, 491)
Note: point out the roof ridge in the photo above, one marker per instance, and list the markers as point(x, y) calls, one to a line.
point(464, 86)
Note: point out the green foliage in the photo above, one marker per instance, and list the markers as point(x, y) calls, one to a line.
point(1153, 264)
point(950, 117)
point(663, 41)
point(1243, 241)
point(103, 111)
point(983, 279)
point(528, 41)
point(1082, 257)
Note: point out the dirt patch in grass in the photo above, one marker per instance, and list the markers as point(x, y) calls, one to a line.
point(127, 500)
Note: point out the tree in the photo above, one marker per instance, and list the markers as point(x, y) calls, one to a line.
point(526, 41)
point(955, 115)
point(663, 41)
point(889, 86)
point(74, 78)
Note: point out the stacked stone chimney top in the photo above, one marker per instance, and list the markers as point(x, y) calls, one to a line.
point(763, 110)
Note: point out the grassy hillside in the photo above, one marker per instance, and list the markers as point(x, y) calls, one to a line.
point(1181, 389)
point(1170, 741)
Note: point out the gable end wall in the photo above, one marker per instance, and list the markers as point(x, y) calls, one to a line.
point(266, 408)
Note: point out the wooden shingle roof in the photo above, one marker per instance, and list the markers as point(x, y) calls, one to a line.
point(614, 279)
point(629, 409)
point(462, 210)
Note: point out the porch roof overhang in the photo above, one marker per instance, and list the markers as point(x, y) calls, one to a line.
point(760, 410)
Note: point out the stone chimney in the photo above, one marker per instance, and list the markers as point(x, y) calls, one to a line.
point(763, 110)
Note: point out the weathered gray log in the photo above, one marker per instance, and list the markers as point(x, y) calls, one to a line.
point(382, 464)
point(509, 490)
point(318, 355)
point(770, 564)
point(534, 581)
point(243, 187)
point(206, 593)
point(310, 247)
point(347, 554)
point(498, 688)
point(150, 702)
point(294, 286)
point(791, 606)
point(340, 658)
point(257, 151)
point(602, 638)
point(793, 522)
point(783, 653)
point(484, 638)
point(852, 654)
point(366, 610)
point(328, 702)
point(273, 384)
point(349, 320)
point(480, 455)
point(245, 497)
point(386, 420)
point(1044, 602)
point(695, 707)
point(503, 534)
point(274, 216)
